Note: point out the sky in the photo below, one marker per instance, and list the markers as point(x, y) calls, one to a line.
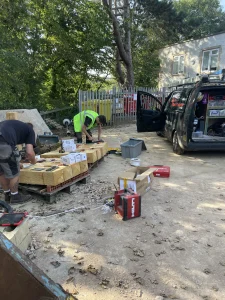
point(223, 3)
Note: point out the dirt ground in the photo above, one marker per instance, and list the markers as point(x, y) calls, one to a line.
point(175, 250)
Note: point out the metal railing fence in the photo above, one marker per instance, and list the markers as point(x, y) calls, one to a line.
point(118, 105)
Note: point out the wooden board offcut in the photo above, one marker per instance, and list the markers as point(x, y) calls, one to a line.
point(11, 115)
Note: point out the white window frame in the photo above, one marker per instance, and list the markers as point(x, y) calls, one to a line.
point(210, 59)
point(180, 60)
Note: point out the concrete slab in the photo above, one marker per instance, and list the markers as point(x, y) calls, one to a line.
point(28, 115)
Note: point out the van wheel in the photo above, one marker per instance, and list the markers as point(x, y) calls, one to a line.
point(176, 147)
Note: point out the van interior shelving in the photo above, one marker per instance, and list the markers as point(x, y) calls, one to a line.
point(209, 122)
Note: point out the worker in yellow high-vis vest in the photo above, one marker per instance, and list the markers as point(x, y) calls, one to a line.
point(86, 120)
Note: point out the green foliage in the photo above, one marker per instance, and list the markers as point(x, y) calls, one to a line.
point(52, 48)
point(155, 23)
point(48, 49)
point(201, 18)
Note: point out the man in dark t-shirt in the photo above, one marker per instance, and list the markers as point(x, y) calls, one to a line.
point(12, 133)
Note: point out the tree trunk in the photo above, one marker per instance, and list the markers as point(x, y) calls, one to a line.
point(119, 71)
point(127, 43)
point(124, 49)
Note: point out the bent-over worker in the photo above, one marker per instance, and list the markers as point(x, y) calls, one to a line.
point(12, 133)
point(84, 121)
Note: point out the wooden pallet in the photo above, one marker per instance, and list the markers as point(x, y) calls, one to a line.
point(95, 164)
point(49, 192)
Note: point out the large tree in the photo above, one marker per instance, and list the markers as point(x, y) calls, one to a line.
point(50, 49)
point(200, 18)
point(120, 15)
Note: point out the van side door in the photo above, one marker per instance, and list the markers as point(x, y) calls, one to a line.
point(183, 122)
point(171, 110)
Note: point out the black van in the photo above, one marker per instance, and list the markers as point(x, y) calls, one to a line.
point(192, 116)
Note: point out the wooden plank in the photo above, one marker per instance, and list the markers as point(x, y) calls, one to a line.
point(31, 282)
point(11, 115)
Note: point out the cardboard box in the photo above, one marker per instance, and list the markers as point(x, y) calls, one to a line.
point(138, 179)
point(67, 172)
point(222, 112)
point(91, 156)
point(54, 154)
point(54, 177)
point(103, 147)
point(98, 152)
point(83, 156)
point(83, 166)
point(75, 169)
point(68, 145)
point(214, 113)
point(68, 159)
point(77, 157)
point(28, 176)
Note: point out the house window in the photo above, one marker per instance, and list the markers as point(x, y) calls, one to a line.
point(210, 60)
point(178, 65)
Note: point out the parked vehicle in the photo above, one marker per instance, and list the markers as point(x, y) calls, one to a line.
point(192, 116)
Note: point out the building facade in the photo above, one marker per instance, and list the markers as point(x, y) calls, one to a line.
point(180, 63)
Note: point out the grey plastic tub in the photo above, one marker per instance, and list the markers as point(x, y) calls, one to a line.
point(131, 148)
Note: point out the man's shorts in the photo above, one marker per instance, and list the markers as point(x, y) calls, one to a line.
point(10, 168)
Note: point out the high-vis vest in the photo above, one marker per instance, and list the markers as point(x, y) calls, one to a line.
point(79, 119)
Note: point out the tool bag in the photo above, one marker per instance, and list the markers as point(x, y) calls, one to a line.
point(12, 219)
point(7, 151)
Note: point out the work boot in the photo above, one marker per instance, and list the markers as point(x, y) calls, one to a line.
point(7, 196)
point(19, 198)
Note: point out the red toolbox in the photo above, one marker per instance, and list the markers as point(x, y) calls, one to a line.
point(161, 171)
point(127, 204)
